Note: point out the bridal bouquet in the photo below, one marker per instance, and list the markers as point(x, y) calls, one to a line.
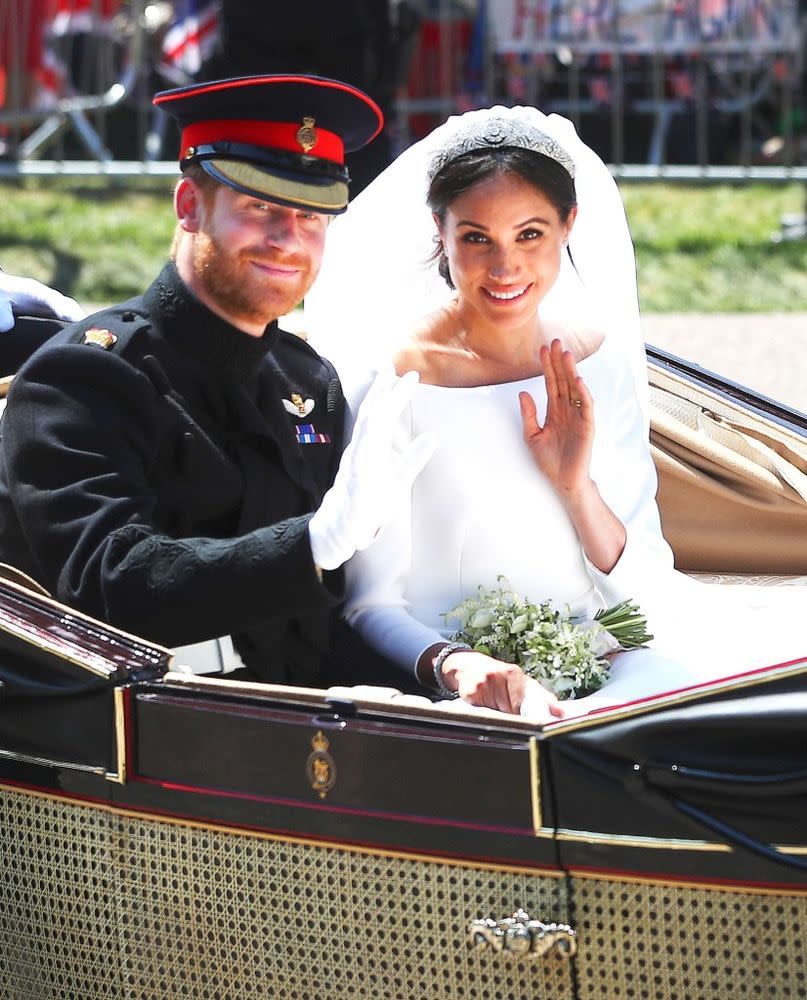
point(565, 654)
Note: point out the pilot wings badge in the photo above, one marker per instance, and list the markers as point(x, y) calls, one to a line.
point(298, 406)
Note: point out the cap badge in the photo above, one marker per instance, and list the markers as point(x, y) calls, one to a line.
point(100, 338)
point(307, 134)
point(297, 405)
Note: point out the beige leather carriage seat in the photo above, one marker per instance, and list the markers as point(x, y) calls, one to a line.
point(732, 484)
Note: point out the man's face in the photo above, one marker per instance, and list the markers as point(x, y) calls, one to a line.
point(253, 261)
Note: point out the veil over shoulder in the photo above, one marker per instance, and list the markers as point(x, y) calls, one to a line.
point(377, 281)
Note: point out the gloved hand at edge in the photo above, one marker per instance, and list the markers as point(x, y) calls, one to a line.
point(29, 297)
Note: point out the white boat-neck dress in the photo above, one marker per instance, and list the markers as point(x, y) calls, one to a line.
point(481, 509)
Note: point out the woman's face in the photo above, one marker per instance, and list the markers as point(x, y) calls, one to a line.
point(503, 239)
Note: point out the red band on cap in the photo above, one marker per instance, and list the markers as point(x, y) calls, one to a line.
point(270, 135)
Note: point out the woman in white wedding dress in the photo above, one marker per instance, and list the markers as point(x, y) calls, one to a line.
point(532, 380)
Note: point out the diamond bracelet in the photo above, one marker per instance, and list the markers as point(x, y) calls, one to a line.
point(439, 660)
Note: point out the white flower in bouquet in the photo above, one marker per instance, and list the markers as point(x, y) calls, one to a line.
point(567, 655)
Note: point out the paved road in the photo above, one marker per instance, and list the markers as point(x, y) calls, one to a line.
point(767, 352)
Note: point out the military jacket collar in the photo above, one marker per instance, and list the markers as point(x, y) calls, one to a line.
point(198, 332)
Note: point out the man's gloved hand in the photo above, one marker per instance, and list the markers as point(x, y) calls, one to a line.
point(28, 297)
point(372, 476)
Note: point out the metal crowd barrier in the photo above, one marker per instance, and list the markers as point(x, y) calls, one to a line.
point(690, 89)
point(663, 89)
point(76, 79)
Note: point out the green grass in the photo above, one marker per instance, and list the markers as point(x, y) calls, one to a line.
point(709, 249)
point(96, 242)
point(699, 249)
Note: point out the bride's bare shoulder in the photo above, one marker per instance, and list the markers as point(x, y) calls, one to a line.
point(422, 349)
point(411, 357)
point(582, 341)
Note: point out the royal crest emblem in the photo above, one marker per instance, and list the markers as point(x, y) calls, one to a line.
point(307, 134)
point(320, 766)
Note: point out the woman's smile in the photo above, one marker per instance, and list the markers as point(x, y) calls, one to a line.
point(506, 295)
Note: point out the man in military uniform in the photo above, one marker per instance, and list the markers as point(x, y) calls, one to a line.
point(172, 465)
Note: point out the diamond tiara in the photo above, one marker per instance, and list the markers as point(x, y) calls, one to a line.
point(496, 133)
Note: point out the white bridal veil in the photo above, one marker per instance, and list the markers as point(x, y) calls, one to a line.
point(376, 281)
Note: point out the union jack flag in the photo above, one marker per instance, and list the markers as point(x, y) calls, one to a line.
point(193, 34)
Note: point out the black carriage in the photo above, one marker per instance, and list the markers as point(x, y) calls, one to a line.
point(167, 835)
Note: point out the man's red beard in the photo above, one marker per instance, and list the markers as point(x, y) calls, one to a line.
point(233, 284)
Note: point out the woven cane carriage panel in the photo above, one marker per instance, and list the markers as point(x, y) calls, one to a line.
point(58, 900)
point(101, 905)
point(211, 913)
point(647, 942)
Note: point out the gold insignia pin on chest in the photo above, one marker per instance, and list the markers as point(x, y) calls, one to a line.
point(100, 338)
point(307, 134)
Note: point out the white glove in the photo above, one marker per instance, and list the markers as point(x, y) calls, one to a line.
point(29, 297)
point(372, 475)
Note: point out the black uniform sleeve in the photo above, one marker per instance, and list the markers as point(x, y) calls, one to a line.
point(81, 431)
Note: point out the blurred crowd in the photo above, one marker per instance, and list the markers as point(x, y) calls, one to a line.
point(54, 49)
point(423, 59)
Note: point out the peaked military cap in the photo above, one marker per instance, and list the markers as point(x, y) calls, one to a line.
point(281, 138)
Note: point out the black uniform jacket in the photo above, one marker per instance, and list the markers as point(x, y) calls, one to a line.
point(162, 478)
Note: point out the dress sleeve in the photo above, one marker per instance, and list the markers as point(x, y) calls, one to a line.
point(375, 579)
point(623, 469)
point(376, 607)
point(80, 434)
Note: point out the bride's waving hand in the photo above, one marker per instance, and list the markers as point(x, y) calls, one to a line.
point(561, 447)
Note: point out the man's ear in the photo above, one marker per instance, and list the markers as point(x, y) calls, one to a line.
point(188, 205)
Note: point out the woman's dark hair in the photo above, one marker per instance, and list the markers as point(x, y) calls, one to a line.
point(469, 169)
